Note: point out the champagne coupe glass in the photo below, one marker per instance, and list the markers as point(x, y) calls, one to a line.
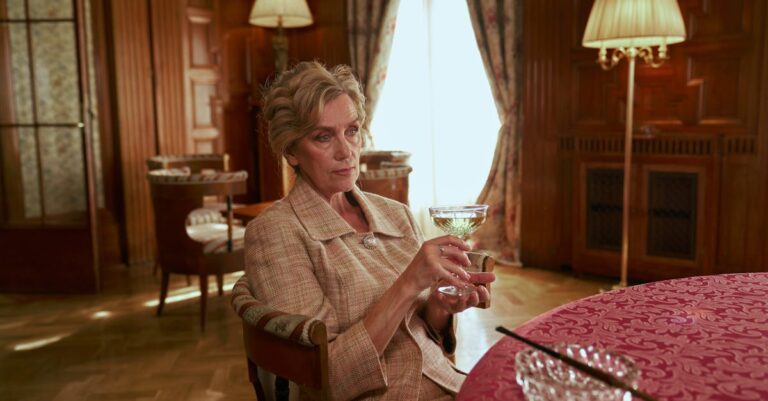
point(459, 221)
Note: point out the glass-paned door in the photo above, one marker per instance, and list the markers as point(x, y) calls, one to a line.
point(49, 186)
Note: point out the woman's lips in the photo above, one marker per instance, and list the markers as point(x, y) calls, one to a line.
point(344, 171)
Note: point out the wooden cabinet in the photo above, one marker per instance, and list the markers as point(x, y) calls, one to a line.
point(672, 210)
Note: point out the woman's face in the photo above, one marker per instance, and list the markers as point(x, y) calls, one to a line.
point(329, 156)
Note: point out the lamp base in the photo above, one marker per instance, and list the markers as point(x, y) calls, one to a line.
point(280, 50)
point(619, 286)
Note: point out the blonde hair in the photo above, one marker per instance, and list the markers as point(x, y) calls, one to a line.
point(294, 102)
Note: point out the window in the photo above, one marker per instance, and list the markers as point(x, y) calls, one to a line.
point(437, 104)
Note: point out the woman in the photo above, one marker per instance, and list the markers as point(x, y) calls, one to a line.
point(355, 260)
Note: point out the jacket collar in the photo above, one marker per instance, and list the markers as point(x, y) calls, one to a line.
point(323, 223)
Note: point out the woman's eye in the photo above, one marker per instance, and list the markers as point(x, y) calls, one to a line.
point(352, 131)
point(323, 138)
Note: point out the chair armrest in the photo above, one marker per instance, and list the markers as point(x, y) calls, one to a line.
point(483, 263)
point(301, 342)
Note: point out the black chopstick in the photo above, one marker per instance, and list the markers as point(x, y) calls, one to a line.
point(598, 374)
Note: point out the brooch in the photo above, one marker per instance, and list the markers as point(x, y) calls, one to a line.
point(370, 241)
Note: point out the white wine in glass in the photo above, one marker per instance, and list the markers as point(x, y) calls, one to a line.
point(459, 221)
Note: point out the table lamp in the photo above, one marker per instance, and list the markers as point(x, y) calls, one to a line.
point(280, 14)
point(632, 28)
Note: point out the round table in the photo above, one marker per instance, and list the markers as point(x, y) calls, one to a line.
point(696, 338)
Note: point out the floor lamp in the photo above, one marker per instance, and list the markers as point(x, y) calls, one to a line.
point(281, 14)
point(631, 28)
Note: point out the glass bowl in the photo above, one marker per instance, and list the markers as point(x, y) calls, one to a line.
point(544, 378)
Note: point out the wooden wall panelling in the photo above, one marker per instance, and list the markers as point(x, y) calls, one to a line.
point(762, 145)
point(743, 208)
point(326, 39)
point(541, 213)
point(167, 48)
point(245, 55)
point(135, 121)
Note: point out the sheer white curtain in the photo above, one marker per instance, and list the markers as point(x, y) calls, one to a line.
point(437, 104)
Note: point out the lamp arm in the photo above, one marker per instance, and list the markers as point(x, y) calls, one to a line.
point(646, 53)
point(616, 56)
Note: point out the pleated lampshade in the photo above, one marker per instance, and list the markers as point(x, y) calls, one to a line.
point(267, 13)
point(634, 23)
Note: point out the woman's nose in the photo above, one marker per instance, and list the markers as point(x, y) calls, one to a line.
point(343, 149)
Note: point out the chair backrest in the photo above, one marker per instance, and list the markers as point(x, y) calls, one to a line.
point(390, 182)
point(176, 193)
point(484, 263)
point(293, 347)
point(195, 162)
point(375, 159)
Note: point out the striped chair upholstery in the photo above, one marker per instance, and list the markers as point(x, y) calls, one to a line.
point(197, 163)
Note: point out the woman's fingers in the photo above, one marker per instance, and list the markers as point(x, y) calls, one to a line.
point(455, 254)
point(459, 303)
point(482, 294)
point(481, 277)
point(449, 270)
point(449, 240)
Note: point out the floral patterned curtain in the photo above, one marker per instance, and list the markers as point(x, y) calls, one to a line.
point(371, 26)
point(497, 28)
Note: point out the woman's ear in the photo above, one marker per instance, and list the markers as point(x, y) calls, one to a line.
point(292, 160)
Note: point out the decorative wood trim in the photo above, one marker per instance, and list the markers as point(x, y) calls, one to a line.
point(135, 121)
point(668, 145)
point(697, 146)
point(740, 145)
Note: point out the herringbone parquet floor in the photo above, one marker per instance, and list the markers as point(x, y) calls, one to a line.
point(110, 346)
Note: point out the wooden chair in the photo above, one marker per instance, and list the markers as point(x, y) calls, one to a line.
point(484, 263)
point(196, 164)
point(376, 159)
point(203, 249)
point(385, 173)
point(280, 347)
point(390, 182)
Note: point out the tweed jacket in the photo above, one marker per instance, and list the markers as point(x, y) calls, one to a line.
point(302, 257)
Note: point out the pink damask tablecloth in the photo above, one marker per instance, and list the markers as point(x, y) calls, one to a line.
point(697, 338)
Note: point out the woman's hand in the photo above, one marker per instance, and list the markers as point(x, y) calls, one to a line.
point(440, 259)
point(440, 307)
point(455, 304)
